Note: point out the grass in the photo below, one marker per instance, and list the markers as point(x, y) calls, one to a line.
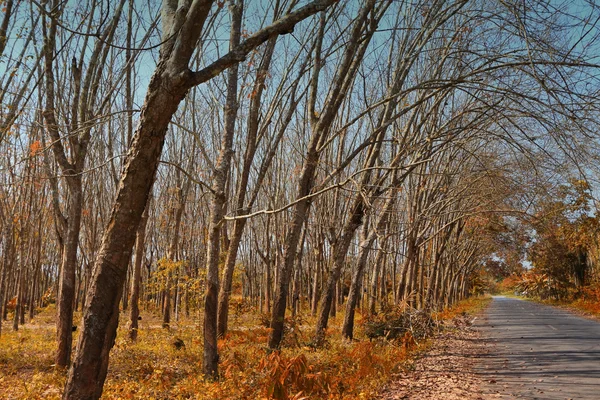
point(152, 367)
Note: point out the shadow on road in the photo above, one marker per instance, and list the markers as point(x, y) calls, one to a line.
point(538, 352)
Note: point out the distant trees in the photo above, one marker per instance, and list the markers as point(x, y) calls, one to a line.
point(566, 239)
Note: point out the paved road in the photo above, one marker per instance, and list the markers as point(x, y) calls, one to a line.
point(539, 352)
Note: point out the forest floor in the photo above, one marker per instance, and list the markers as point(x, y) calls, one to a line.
point(153, 368)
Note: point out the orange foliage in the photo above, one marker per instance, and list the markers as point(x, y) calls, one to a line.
point(12, 304)
point(35, 148)
point(510, 283)
point(469, 305)
point(589, 300)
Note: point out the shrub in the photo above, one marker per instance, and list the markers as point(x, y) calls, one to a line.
point(397, 324)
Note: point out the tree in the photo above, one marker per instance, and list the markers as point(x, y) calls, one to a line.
point(565, 233)
point(182, 27)
point(360, 35)
point(140, 243)
point(72, 163)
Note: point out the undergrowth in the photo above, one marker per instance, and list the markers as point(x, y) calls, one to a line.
point(158, 367)
point(585, 299)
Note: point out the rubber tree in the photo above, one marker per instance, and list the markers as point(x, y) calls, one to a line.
point(183, 23)
point(359, 37)
point(72, 163)
point(244, 197)
point(408, 52)
point(218, 202)
point(7, 256)
point(140, 243)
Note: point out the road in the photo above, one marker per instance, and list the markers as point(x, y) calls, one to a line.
point(538, 352)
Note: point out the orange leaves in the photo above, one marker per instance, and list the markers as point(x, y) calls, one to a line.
point(288, 378)
point(469, 305)
point(408, 341)
point(590, 299)
point(150, 368)
point(246, 33)
point(253, 94)
point(12, 303)
point(35, 148)
point(510, 283)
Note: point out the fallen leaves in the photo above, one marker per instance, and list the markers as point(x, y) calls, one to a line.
point(445, 371)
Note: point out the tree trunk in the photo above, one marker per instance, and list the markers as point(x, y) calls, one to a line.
point(166, 308)
point(6, 264)
point(217, 207)
point(285, 266)
point(320, 129)
point(268, 284)
point(319, 266)
point(340, 249)
point(225, 290)
point(18, 296)
point(298, 278)
point(357, 276)
point(86, 377)
point(66, 297)
point(124, 296)
point(36, 271)
point(134, 310)
point(374, 283)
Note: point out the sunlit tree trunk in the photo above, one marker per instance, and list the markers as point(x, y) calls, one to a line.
point(72, 167)
point(134, 311)
point(240, 206)
point(359, 269)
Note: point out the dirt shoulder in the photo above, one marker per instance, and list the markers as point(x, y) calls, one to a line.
point(446, 370)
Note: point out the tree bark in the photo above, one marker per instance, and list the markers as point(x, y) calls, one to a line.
point(87, 375)
point(320, 129)
point(6, 262)
point(340, 249)
point(72, 168)
point(239, 224)
point(19, 302)
point(291, 245)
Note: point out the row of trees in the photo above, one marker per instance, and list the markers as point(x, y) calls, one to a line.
point(327, 154)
